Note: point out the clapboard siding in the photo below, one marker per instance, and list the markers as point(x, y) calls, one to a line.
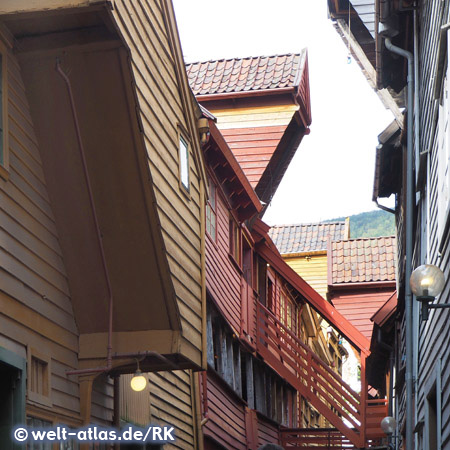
point(434, 334)
point(359, 307)
point(35, 302)
point(313, 269)
point(227, 416)
point(267, 432)
point(171, 404)
point(223, 280)
point(144, 29)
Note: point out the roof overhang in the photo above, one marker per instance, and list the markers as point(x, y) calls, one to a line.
point(82, 36)
point(388, 163)
point(231, 176)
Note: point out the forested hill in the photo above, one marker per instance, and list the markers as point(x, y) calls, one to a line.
point(370, 224)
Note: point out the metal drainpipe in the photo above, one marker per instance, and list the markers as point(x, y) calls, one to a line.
point(409, 243)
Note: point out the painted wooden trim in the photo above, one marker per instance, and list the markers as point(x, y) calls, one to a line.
point(45, 400)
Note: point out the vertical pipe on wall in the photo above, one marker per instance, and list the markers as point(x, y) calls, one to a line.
point(409, 240)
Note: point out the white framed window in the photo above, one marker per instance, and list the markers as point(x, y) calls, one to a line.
point(184, 162)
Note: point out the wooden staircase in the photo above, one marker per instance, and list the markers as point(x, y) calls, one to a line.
point(344, 408)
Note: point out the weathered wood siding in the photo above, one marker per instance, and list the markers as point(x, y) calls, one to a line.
point(143, 27)
point(223, 279)
point(35, 302)
point(267, 432)
point(171, 403)
point(359, 307)
point(227, 416)
point(434, 334)
point(313, 269)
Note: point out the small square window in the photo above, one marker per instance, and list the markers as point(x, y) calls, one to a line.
point(38, 377)
point(184, 163)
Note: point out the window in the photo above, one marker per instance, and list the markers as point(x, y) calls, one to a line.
point(184, 163)
point(33, 422)
point(211, 215)
point(3, 113)
point(235, 241)
point(443, 178)
point(38, 377)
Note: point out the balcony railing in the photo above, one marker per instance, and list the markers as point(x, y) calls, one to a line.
point(314, 380)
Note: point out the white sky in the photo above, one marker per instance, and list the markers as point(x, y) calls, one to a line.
point(332, 172)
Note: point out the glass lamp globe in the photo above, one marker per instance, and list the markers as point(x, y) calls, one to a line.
point(427, 281)
point(388, 425)
point(138, 382)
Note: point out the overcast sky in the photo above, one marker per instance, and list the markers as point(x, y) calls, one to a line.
point(332, 172)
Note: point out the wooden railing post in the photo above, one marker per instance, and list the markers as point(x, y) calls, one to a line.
point(364, 395)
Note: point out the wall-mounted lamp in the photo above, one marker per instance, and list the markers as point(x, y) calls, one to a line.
point(427, 282)
point(388, 425)
point(138, 382)
point(203, 129)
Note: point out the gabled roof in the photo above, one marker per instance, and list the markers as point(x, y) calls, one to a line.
point(308, 237)
point(245, 74)
point(362, 260)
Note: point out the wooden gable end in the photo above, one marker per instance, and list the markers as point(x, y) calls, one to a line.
point(264, 129)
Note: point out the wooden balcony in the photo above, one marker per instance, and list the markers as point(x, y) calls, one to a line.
point(344, 408)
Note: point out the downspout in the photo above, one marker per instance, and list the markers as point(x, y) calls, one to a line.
point(97, 229)
point(409, 242)
point(415, 306)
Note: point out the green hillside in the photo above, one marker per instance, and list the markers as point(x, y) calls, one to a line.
point(370, 224)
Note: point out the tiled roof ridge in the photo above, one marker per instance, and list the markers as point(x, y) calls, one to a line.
point(307, 224)
point(277, 55)
point(365, 238)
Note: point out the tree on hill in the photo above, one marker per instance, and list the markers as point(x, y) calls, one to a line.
point(370, 224)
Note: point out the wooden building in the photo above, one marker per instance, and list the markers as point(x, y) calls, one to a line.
point(259, 385)
point(263, 110)
point(102, 199)
point(361, 278)
point(421, 28)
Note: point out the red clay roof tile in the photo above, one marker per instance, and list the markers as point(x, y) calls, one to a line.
point(245, 74)
point(371, 260)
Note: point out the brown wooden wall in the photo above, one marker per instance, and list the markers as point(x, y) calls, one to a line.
point(267, 432)
point(223, 279)
point(144, 29)
point(35, 305)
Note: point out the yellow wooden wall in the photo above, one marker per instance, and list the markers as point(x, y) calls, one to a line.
point(35, 304)
point(313, 269)
point(158, 92)
point(256, 116)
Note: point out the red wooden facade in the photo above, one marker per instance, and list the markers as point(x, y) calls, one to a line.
point(259, 367)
